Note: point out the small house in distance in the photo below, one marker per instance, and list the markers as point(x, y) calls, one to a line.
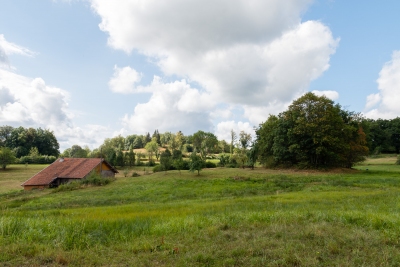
point(65, 170)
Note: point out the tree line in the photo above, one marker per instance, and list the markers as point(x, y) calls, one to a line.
point(27, 145)
point(316, 132)
point(313, 132)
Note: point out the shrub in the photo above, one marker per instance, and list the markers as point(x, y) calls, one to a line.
point(269, 162)
point(398, 160)
point(223, 160)
point(135, 174)
point(232, 163)
point(210, 164)
point(68, 186)
point(37, 160)
point(157, 168)
point(93, 179)
point(185, 165)
point(151, 163)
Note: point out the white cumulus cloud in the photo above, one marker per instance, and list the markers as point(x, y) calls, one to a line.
point(124, 80)
point(30, 102)
point(172, 107)
point(385, 103)
point(256, 54)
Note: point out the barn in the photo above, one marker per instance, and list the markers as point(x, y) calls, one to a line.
point(65, 170)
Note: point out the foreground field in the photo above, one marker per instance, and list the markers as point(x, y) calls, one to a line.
point(225, 217)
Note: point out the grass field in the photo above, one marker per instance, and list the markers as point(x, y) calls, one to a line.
point(14, 175)
point(224, 217)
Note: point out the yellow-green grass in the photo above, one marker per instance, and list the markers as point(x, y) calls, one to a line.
point(383, 163)
point(14, 175)
point(224, 217)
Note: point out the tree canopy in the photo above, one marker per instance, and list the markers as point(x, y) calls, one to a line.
point(313, 132)
point(21, 140)
point(6, 157)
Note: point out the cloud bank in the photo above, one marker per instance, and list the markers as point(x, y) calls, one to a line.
point(255, 54)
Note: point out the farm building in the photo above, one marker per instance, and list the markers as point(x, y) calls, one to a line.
point(65, 170)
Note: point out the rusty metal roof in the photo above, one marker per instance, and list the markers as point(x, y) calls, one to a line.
point(73, 168)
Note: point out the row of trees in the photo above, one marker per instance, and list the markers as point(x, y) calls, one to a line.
point(312, 132)
point(202, 143)
point(21, 141)
point(383, 136)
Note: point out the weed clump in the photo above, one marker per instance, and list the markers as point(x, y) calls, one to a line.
point(93, 179)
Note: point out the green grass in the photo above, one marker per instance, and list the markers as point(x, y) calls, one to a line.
point(14, 175)
point(224, 217)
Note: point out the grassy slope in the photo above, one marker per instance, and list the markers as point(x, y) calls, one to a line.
point(225, 217)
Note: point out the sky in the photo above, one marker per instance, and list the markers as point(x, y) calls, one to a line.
point(95, 69)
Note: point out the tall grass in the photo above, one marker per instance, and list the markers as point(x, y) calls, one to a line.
point(225, 217)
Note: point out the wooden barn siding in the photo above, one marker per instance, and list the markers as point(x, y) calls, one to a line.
point(105, 170)
point(30, 187)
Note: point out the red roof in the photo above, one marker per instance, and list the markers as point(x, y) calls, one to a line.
point(73, 168)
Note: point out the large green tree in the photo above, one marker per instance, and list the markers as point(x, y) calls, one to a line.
point(151, 148)
point(5, 134)
point(166, 160)
point(205, 143)
point(314, 132)
point(77, 151)
point(6, 157)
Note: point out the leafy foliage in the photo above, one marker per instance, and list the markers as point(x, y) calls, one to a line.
point(196, 163)
point(21, 140)
point(314, 132)
point(93, 179)
point(6, 157)
point(204, 143)
point(166, 160)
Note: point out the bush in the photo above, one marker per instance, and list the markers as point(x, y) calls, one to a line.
point(223, 160)
point(269, 162)
point(185, 165)
point(151, 163)
point(210, 164)
point(135, 174)
point(232, 163)
point(377, 150)
point(398, 160)
point(93, 179)
point(157, 168)
point(68, 186)
point(36, 160)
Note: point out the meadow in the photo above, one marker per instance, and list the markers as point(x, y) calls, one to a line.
point(224, 217)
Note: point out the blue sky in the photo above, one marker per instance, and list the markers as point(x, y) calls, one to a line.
point(94, 69)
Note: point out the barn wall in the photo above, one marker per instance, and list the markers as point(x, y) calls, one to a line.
point(105, 170)
point(30, 187)
point(107, 173)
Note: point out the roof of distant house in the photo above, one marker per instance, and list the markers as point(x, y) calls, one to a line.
point(72, 168)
